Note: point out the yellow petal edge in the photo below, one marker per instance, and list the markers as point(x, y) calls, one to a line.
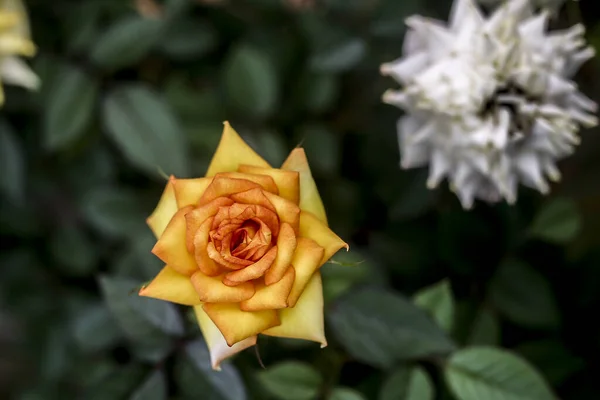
point(231, 152)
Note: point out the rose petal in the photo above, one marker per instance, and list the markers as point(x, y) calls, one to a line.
point(255, 270)
point(235, 211)
point(253, 245)
point(265, 181)
point(231, 218)
point(288, 182)
point(217, 346)
point(164, 211)
point(286, 210)
point(237, 325)
point(211, 289)
point(15, 44)
point(203, 260)
point(268, 218)
point(197, 216)
point(272, 297)
point(286, 245)
point(223, 186)
point(307, 260)
point(309, 194)
point(171, 286)
point(313, 228)
point(231, 152)
point(226, 260)
point(305, 320)
point(171, 247)
point(253, 196)
point(239, 213)
point(189, 191)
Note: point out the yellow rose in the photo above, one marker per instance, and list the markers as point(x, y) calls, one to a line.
point(15, 41)
point(243, 246)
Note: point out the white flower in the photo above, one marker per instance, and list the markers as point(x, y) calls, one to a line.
point(14, 42)
point(489, 102)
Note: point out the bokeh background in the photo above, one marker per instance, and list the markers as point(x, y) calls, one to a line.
point(135, 90)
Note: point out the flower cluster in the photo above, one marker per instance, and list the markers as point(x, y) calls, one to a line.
point(489, 101)
point(244, 245)
point(14, 42)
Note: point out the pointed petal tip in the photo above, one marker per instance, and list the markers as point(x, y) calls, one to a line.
point(555, 177)
point(143, 290)
point(232, 151)
point(385, 69)
point(298, 152)
point(388, 96)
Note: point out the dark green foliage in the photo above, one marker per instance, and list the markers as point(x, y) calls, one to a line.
point(432, 302)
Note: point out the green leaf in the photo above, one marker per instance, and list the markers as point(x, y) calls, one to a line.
point(340, 55)
point(12, 164)
point(197, 380)
point(91, 371)
point(153, 388)
point(319, 92)
point(95, 329)
point(197, 105)
point(96, 167)
point(291, 380)
point(251, 82)
point(344, 393)
point(145, 130)
point(322, 148)
point(73, 250)
point(407, 384)
point(558, 221)
point(339, 279)
point(150, 265)
point(114, 212)
point(82, 25)
point(116, 385)
point(48, 69)
point(485, 330)
point(56, 357)
point(524, 296)
point(413, 198)
point(438, 301)
point(69, 107)
point(477, 373)
point(552, 358)
point(126, 42)
point(144, 320)
point(187, 38)
point(380, 328)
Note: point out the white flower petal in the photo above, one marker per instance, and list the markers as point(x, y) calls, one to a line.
point(16, 72)
point(489, 100)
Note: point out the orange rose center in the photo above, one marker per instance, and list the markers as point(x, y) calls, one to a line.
point(240, 236)
point(233, 231)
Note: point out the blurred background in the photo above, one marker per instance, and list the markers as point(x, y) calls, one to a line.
point(136, 89)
